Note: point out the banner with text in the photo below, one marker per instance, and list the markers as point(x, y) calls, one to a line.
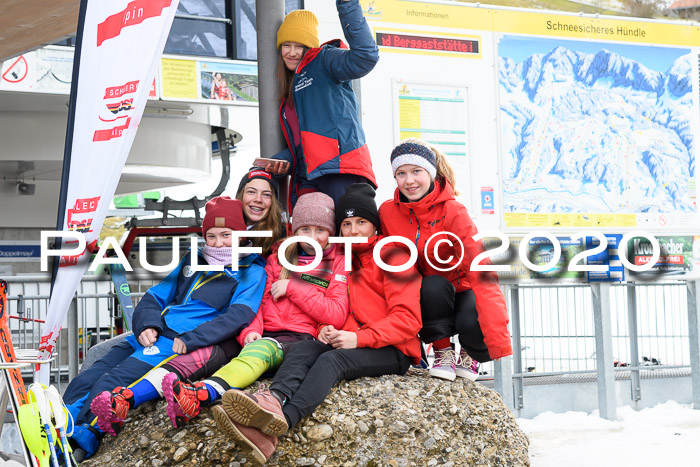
point(120, 44)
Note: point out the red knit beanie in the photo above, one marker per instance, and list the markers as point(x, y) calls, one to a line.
point(223, 211)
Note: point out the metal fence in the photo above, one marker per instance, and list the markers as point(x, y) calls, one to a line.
point(557, 332)
point(600, 329)
point(94, 317)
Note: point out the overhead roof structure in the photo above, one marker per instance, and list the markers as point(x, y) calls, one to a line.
point(684, 4)
point(26, 25)
point(173, 146)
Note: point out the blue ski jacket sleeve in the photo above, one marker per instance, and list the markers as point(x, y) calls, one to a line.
point(363, 53)
point(241, 310)
point(284, 155)
point(148, 311)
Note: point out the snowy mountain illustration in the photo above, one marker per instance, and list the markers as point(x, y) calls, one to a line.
point(596, 132)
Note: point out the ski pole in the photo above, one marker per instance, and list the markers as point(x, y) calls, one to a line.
point(59, 415)
point(45, 413)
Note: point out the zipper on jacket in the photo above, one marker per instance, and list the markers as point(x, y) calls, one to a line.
point(198, 283)
point(362, 325)
point(292, 151)
point(417, 233)
point(417, 225)
point(350, 306)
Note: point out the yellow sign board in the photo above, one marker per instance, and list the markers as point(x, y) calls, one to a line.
point(179, 78)
point(468, 16)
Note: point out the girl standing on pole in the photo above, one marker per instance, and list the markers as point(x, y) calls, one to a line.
point(319, 113)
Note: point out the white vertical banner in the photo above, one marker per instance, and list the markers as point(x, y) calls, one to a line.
point(120, 48)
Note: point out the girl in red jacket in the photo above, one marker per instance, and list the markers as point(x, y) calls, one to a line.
point(454, 299)
point(293, 307)
point(378, 338)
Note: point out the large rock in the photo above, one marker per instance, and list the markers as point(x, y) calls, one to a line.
point(386, 421)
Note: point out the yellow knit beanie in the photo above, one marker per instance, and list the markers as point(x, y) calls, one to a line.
point(299, 26)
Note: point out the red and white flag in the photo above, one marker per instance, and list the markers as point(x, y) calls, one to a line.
point(119, 45)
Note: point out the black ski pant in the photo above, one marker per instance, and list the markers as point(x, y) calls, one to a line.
point(311, 368)
point(446, 313)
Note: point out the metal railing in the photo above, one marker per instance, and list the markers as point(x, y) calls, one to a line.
point(557, 329)
point(600, 329)
point(92, 318)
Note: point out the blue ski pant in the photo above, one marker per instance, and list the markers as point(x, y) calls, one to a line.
point(124, 364)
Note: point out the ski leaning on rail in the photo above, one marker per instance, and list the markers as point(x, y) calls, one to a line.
point(40, 414)
point(12, 375)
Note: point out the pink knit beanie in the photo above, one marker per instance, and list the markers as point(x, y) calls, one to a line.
point(314, 209)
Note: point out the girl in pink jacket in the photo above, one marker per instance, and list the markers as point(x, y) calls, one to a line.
point(293, 308)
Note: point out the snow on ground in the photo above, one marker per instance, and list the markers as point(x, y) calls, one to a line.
point(667, 434)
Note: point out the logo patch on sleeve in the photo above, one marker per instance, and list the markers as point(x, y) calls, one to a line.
point(341, 278)
point(315, 280)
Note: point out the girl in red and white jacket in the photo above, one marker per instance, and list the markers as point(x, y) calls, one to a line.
point(293, 308)
point(378, 338)
point(454, 299)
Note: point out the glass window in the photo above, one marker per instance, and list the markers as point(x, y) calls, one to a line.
point(69, 42)
point(210, 8)
point(204, 28)
point(196, 37)
point(246, 38)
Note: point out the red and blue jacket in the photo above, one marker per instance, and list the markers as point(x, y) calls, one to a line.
point(203, 308)
point(332, 139)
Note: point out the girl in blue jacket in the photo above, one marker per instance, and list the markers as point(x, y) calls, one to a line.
point(188, 310)
point(326, 149)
